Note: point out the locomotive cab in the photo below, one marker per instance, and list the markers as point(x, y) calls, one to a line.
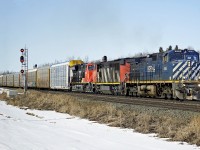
point(90, 73)
point(183, 69)
point(182, 64)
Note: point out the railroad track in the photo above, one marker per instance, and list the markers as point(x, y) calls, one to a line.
point(193, 106)
point(187, 105)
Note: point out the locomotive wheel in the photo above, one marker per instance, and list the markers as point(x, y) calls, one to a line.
point(168, 96)
point(127, 92)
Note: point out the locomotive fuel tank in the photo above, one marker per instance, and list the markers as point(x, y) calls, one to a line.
point(147, 90)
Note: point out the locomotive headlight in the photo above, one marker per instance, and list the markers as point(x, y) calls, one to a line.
point(183, 85)
point(198, 85)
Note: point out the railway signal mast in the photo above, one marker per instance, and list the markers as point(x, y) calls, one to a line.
point(24, 66)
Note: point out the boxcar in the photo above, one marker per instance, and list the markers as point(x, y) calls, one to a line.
point(32, 78)
point(43, 77)
point(4, 80)
point(16, 80)
point(10, 80)
point(1, 80)
point(59, 76)
point(21, 80)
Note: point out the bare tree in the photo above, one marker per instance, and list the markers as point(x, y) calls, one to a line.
point(190, 48)
point(6, 72)
point(86, 59)
point(141, 54)
point(161, 50)
point(45, 65)
point(70, 58)
point(176, 48)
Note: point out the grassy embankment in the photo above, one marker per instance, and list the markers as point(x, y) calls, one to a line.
point(173, 124)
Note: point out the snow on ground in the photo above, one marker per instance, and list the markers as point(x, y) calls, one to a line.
point(22, 129)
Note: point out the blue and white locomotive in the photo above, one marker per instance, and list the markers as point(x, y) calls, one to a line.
point(170, 74)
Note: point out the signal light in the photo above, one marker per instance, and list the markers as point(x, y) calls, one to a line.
point(22, 71)
point(22, 50)
point(22, 59)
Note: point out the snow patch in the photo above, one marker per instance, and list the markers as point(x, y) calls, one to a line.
point(21, 129)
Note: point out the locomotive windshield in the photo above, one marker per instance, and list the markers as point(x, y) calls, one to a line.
point(91, 67)
point(178, 55)
point(192, 55)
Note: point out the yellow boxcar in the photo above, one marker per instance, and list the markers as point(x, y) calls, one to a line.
point(32, 78)
point(4, 80)
point(1, 80)
point(10, 80)
point(21, 80)
point(43, 77)
point(16, 80)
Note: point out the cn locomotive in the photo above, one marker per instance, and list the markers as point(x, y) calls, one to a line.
point(173, 74)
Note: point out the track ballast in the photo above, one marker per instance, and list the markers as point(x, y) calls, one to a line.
point(186, 105)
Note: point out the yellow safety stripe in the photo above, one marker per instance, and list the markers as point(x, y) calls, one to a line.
point(140, 82)
point(163, 81)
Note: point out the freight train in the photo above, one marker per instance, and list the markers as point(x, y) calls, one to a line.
point(173, 74)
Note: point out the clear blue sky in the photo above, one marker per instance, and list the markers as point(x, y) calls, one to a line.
point(58, 29)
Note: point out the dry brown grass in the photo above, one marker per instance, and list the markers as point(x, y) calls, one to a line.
point(191, 132)
point(176, 125)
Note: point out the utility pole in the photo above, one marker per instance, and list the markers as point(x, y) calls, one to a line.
point(24, 67)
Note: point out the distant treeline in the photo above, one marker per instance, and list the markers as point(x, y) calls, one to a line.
point(86, 59)
point(6, 72)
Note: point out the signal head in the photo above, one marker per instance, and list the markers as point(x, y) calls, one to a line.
point(22, 50)
point(22, 59)
point(22, 71)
